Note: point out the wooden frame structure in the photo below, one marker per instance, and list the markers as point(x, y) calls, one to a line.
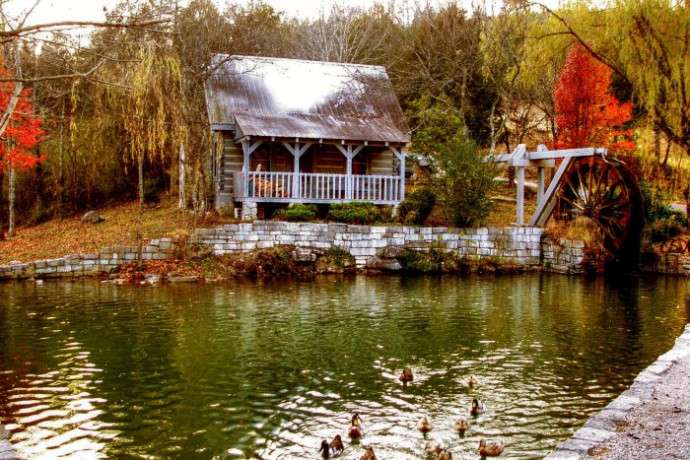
point(543, 158)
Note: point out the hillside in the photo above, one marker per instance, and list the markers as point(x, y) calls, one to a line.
point(70, 236)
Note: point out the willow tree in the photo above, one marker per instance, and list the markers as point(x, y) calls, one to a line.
point(151, 114)
point(654, 53)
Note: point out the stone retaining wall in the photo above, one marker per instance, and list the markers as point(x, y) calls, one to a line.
point(666, 264)
point(81, 265)
point(524, 246)
point(372, 246)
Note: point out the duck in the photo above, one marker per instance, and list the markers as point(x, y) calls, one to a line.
point(490, 448)
point(356, 430)
point(424, 425)
point(433, 448)
point(325, 449)
point(406, 375)
point(337, 446)
point(472, 381)
point(461, 425)
point(444, 455)
point(369, 454)
point(477, 407)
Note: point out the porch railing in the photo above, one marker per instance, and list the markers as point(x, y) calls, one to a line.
point(279, 186)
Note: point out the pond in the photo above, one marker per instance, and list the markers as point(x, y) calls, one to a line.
point(252, 369)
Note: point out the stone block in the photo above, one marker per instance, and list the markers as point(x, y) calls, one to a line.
point(248, 246)
point(130, 256)
point(46, 270)
point(55, 262)
point(159, 256)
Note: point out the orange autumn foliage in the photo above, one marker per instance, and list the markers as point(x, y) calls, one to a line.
point(587, 113)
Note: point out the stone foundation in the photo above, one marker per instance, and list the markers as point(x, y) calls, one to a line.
point(377, 247)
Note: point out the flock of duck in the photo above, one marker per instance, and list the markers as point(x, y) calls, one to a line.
point(486, 448)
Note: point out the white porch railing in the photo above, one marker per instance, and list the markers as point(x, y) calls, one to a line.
point(279, 186)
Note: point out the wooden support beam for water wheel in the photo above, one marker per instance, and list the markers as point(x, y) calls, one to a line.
point(605, 191)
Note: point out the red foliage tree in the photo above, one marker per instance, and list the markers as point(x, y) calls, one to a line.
point(23, 131)
point(587, 113)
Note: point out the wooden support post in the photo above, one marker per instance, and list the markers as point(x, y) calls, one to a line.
point(247, 150)
point(400, 155)
point(520, 196)
point(297, 151)
point(540, 184)
point(349, 153)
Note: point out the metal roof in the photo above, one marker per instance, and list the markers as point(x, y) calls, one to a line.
point(305, 99)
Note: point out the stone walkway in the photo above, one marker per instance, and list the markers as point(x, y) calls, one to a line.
point(651, 420)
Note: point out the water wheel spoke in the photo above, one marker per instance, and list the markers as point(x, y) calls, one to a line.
point(570, 184)
point(574, 204)
point(601, 176)
point(580, 181)
point(616, 203)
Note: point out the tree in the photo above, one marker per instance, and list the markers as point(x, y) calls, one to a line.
point(587, 113)
point(466, 182)
point(22, 132)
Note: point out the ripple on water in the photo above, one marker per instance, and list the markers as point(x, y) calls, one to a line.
point(269, 370)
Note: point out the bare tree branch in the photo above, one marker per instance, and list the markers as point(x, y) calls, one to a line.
point(22, 31)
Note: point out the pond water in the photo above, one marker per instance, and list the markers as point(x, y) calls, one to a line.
point(268, 369)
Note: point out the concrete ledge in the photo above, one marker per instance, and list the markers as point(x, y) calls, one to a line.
point(604, 425)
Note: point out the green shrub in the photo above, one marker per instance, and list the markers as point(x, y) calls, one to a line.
point(655, 202)
point(417, 206)
point(355, 212)
point(297, 213)
point(340, 257)
point(667, 228)
point(466, 183)
point(664, 222)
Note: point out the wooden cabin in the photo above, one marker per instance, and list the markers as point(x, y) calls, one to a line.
point(295, 131)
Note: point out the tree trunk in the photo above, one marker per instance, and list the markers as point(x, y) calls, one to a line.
point(13, 174)
point(181, 177)
point(140, 219)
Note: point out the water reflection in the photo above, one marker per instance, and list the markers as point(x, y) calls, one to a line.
point(268, 369)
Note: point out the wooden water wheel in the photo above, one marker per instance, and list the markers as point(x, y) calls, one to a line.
point(605, 191)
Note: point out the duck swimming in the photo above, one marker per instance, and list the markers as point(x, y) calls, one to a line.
point(444, 455)
point(406, 375)
point(325, 449)
point(424, 425)
point(490, 448)
point(461, 425)
point(433, 447)
point(356, 430)
point(477, 407)
point(337, 446)
point(472, 381)
point(369, 454)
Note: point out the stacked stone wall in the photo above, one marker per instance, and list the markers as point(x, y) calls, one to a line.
point(86, 265)
point(372, 246)
point(368, 244)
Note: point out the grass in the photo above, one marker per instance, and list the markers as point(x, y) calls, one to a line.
point(58, 238)
point(66, 236)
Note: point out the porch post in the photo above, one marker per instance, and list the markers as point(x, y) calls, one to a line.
point(400, 155)
point(247, 150)
point(297, 151)
point(349, 155)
